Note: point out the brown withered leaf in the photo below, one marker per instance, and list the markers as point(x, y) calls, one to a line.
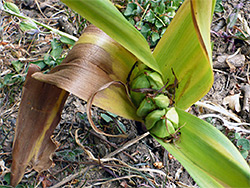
point(94, 61)
point(38, 115)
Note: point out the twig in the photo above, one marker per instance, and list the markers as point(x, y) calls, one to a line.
point(246, 98)
point(41, 24)
point(111, 144)
point(228, 124)
point(115, 179)
point(71, 177)
point(248, 79)
point(217, 108)
point(106, 159)
point(129, 143)
point(231, 66)
point(37, 4)
point(89, 105)
point(223, 72)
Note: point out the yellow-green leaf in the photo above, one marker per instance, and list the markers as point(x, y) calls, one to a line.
point(185, 49)
point(104, 15)
point(210, 158)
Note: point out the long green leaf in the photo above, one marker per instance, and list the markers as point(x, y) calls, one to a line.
point(185, 49)
point(210, 158)
point(103, 14)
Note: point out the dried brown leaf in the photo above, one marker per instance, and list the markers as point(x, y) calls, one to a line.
point(39, 114)
point(94, 61)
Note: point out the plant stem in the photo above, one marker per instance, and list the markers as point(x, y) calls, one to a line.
point(43, 25)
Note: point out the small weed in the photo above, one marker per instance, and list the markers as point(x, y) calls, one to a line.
point(243, 144)
point(218, 6)
point(150, 17)
point(54, 57)
point(69, 155)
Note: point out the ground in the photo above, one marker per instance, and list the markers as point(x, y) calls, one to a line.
point(71, 167)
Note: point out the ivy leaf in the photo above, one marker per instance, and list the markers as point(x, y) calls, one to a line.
point(131, 9)
point(244, 143)
point(56, 49)
point(145, 29)
point(150, 17)
point(17, 65)
point(160, 9)
point(158, 24)
point(155, 36)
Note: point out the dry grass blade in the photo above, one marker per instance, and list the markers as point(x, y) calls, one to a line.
point(128, 144)
point(116, 179)
point(106, 159)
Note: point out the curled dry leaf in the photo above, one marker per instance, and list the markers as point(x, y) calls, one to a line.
point(38, 115)
point(233, 102)
point(94, 61)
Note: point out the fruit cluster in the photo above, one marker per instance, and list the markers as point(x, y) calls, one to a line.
point(149, 95)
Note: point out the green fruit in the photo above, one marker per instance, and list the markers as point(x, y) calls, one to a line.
point(162, 101)
point(162, 130)
point(155, 80)
point(145, 107)
point(173, 116)
point(153, 117)
point(139, 82)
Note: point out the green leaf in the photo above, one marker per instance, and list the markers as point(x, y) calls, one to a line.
point(150, 17)
point(28, 25)
point(244, 143)
point(12, 7)
point(67, 40)
point(237, 135)
point(106, 118)
point(103, 14)
point(56, 49)
point(17, 65)
point(158, 24)
point(161, 8)
point(40, 63)
point(7, 178)
point(210, 158)
point(166, 20)
point(155, 36)
point(130, 9)
point(218, 6)
point(244, 153)
point(145, 29)
point(185, 48)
